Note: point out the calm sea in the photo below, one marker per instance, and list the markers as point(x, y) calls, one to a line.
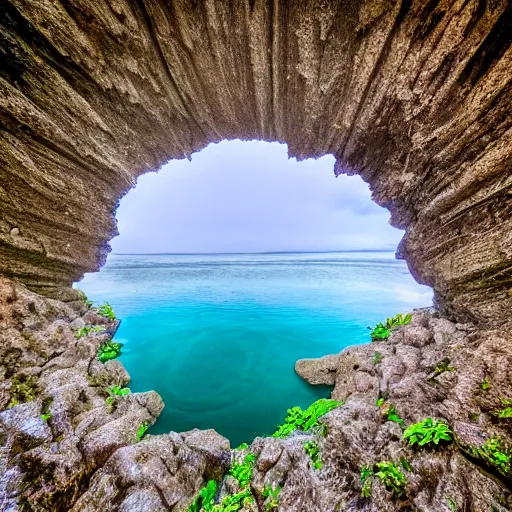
point(218, 335)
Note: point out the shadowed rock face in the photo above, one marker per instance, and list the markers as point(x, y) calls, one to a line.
point(415, 96)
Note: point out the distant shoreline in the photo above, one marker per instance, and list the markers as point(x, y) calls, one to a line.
point(245, 253)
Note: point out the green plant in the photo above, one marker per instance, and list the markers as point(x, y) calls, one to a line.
point(87, 330)
point(366, 481)
point(394, 416)
point(205, 499)
point(380, 401)
point(451, 505)
point(242, 472)
point(297, 419)
point(485, 384)
point(377, 358)
point(506, 411)
point(106, 310)
point(114, 392)
point(109, 350)
point(311, 449)
point(428, 432)
point(23, 389)
point(392, 477)
point(271, 496)
point(118, 390)
point(142, 430)
point(441, 367)
point(382, 331)
point(496, 454)
point(45, 408)
point(379, 332)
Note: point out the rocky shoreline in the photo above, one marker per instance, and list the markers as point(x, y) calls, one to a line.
point(64, 446)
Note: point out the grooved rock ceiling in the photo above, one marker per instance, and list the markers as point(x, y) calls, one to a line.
point(413, 95)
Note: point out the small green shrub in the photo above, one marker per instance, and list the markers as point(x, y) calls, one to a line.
point(441, 367)
point(84, 331)
point(242, 471)
point(118, 390)
point(506, 411)
point(23, 389)
point(428, 432)
point(366, 481)
point(142, 430)
point(394, 416)
point(106, 310)
point(485, 384)
point(271, 496)
point(382, 331)
point(205, 500)
point(311, 449)
point(377, 358)
point(114, 392)
point(380, 401)
point(45, 408)
point(496, 454)
point(109, 350)
point(297, 419)
point(392, 477)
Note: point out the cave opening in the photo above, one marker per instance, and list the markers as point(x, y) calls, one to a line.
point(234, 264)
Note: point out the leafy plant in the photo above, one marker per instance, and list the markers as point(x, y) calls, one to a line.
point(380, 401)
point(366, 481)
point(485, 384)
point(392, 477)
point(394, 416)
point(106, 310)
point(382, 331)
point(23, 389)
point(114, 392)
point(205, 499)
point(506, 411)
point(441, 367)
point(428, 432)
point(271, 496)
point(311, 449)
point(45, 409)
point(297, 419)
point(494, 452)
point(377, 358)
point(87, 330)
point(109, 350)
point(142, 430)
point(379, 332)
point(119, 391)
point(242, 471)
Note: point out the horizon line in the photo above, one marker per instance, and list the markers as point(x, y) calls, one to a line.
point(243, 253)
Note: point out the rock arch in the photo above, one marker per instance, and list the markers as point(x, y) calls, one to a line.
point(413, 95)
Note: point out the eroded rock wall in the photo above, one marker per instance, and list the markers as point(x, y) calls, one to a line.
point(413, 95)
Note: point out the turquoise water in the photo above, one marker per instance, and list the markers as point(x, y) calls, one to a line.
point(218, 335)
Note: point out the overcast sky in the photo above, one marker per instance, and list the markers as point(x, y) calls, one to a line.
point(249, 197)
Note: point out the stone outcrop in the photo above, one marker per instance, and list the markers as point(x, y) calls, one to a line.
point(414, 96)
